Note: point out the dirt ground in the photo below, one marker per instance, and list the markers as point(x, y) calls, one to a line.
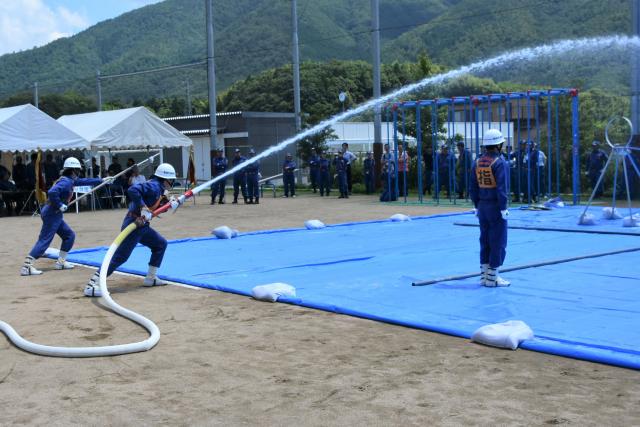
point(228, 360)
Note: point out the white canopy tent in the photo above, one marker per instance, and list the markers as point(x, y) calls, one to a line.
point(25, 128)
point(129, 128)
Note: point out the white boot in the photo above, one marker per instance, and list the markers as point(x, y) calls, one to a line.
point(61, 263)
point(93, 287)
point(28, 269)
point(483, 274)
point(494, 280)
point(152, 278)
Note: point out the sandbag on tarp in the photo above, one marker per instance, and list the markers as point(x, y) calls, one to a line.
point(314, 224)
point(224, 232)
point(273, 291)
point(505, 335)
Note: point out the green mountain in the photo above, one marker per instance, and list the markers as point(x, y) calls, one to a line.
point(254, 35)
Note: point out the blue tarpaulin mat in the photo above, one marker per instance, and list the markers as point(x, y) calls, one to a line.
point(587, 309)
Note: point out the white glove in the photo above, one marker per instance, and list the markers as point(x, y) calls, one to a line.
point(176, 203)
point(475, 212)
point(146, 214)
point(108, 179)
point(504, 213)
point(63, 208)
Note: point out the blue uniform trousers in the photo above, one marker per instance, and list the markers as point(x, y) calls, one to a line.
point(218, 189)
point(52, 224)
point(145, 235)
point(324, 182)
point(493, 234)
point(342, 183)
point(253, 187)
point(239, 183)
point(289, 184)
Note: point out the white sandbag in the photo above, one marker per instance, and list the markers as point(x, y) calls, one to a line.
point(52, 252)
point(610, 213)
point(630, 221)
point(587, 219)
point(505, 335)
point(555, 202)
point(224, 232)
point(273, 291)
point(314, 224)
point(399, 217)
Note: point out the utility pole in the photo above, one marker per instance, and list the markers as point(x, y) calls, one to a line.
point(188, 98)
point(296, 66)
point(35, 94)
point(211, 76)
point(99, 90)
point(375, 35)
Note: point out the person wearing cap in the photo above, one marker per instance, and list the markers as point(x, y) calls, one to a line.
point(289, 179)
point(369, 166)
point(58, 198)
point(403, 170)
point(595, 163)
point(324, 174)
point(349, 158)
point(239, 177)
point(253, 177)
point(144, 198)
point(488, 192)
point(531, 180)
point(463, 166)
point(388, 176)
point(444, 160)
point(218, 167)
point(314, 170)
point(340, 163)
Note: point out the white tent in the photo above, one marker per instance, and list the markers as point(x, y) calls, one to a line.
point(25, 128)
point(128, 128)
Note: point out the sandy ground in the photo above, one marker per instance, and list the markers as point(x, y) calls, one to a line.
point(226, 360)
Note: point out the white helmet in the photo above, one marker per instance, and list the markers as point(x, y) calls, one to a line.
point(165, 171)
point(492, 137)
point(72, 163)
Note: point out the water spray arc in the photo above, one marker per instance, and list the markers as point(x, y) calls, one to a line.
point(520, 55)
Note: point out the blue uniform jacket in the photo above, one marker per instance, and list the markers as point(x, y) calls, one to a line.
point(219, 165)
point(288, 167)
point(235, 162)
point(62, 190)
point(369, 165)
point(145, 194)
point(340, 163)
point(253, 168)
point(498, 194)
point(323, 165)
point(596, 161)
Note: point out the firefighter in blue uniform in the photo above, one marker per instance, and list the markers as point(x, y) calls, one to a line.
point(218, 167)
point(369, 172)
point(314, 171)
point(288, 167)
point(340, 163)
point(488, 191)
point(595, 164)
point(324, 174)
point(144, 199)
point(253, 177)
point(239, 178)
point(59, 196)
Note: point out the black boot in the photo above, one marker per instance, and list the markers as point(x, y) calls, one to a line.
point(235, 201)
point(257, 201)
point(250, 202)
point(213, 201)
point(221, 202)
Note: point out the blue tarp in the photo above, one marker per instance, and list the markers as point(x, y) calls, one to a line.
point(586, 309)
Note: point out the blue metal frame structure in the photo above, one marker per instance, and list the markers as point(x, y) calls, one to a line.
point(479, 112)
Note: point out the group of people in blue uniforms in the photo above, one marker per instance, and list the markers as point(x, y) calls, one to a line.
point(143, 197)
point(321, 164)
point(245, 180)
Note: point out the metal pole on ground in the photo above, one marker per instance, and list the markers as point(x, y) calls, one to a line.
point(576, 145)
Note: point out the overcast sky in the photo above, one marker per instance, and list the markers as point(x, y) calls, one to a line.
point(25, 24)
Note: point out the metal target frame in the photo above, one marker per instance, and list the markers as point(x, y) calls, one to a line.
point(478, 115)
point(621, 153)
